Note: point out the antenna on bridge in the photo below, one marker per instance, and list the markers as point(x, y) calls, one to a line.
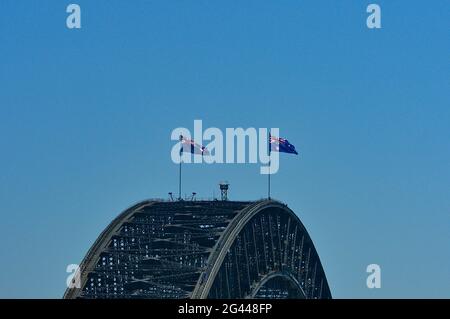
point(171, 196)
point(224, 190)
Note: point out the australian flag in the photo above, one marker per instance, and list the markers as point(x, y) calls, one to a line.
point(278, 144)
point(188, 145)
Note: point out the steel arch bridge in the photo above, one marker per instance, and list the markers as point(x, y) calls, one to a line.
point(203, 249)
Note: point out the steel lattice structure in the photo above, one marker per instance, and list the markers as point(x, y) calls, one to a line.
point(203, 249)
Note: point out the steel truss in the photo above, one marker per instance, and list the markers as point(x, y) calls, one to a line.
point(203, 249)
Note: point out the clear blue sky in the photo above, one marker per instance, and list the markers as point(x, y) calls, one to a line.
point(86, 117)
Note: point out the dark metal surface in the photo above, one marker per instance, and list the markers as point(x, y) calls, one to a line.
point(203, 249)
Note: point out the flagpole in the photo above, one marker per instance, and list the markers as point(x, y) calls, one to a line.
point(268, 191)
point(179, 182)
point(179, 170)
point(268, 185)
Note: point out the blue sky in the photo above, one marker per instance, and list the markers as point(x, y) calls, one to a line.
point(86, 117)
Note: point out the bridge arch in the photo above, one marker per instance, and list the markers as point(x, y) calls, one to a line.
point(278, 281)
point(203, 249)
point(264, 238)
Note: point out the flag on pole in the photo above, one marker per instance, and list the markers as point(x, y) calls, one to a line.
point(188, 145)
point(282, 145)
